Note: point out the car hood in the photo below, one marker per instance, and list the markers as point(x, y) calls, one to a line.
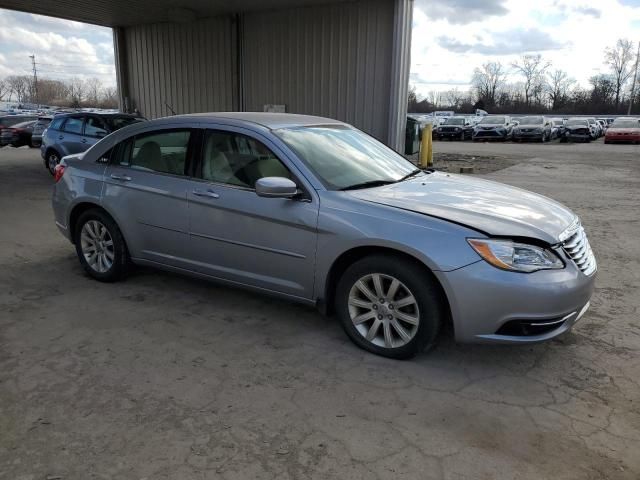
point(489, 127)
point(575, 127)
point(490, 207)
point(530, 125)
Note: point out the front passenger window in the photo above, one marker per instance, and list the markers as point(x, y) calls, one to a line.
point(239, 160)
point(164, 152)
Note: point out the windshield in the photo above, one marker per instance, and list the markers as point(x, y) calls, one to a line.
point(626, 123)
point(576, 121)
point(342, 157)
point(492, 121)
point(531, 121)
point(454, 121)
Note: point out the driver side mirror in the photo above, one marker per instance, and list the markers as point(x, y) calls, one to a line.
point(276, 187)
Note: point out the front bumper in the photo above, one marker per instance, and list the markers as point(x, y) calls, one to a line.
point(528, 135)
point(490, 134)
point(489, 305)
point(450, 134)
point(622, 138)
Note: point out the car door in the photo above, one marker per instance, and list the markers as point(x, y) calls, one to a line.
point(70, 137)
point(145, 186)
point(269, 243)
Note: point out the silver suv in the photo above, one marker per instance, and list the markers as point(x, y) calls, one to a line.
point(75, 132)
point(315, 211)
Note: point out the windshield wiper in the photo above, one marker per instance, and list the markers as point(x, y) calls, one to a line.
point(411, 174)
point(369, 184)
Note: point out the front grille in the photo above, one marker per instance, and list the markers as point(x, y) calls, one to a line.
point(578, 249)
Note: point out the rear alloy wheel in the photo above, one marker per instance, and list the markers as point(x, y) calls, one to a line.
point(101, 247)
point(389, 306)
point(52, 161)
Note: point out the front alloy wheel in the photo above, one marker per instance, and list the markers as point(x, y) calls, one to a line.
point(389, 305)
point(383, 310)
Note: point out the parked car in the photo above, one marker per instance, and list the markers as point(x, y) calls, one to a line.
point(18, 134)
point(594, 127)
point(533, 127)
point(314, 210)
point(577, 129)
point(623, 129)
point(38, 129)
point(557, 128)
point(493, 127)
point(603, 126)
point(68, 134)
point(7, 121)
point(458, 128)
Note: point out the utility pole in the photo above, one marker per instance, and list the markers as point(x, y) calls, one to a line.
point(635, 78)
point(35, 79)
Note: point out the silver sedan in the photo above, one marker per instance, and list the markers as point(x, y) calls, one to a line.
point(314, 210)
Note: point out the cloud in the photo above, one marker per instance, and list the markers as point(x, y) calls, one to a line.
point(509, 42)
point(462, 12)
point(63, 48)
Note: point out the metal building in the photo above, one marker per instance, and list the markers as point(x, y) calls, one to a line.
point(345, 59)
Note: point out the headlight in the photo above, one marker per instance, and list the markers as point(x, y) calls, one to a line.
point(457, 129)
point(518, 257)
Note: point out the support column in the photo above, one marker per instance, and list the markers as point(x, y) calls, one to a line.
point(122, 75)
point(400, 69)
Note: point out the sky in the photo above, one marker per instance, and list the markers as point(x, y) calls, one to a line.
point(452, 37)
point(63, 49)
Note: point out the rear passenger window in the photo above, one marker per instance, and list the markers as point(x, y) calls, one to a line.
point(164, 152)
point(73, 125)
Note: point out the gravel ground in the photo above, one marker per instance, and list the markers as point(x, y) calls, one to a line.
point(163, 377)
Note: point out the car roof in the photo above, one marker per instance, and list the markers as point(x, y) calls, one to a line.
point(71, 114)
point(269, 120)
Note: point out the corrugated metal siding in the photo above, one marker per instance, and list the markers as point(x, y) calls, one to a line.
point(331, 60)
point(192, 67)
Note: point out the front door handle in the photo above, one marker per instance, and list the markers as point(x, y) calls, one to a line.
point(84, 140)
point(123, 178)
point(60, 137)
point(206, 193)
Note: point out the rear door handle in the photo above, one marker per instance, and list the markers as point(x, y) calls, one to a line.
point(84, 140)
point(206, 193)
point(123, 178)
point(60, 137)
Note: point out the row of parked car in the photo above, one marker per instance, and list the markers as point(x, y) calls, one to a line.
point(62, 134)
point(538, 128)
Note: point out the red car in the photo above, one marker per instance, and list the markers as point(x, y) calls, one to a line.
point(623, 130)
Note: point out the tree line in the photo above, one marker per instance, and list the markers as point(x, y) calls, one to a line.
point(74, 92)
point(540, 88)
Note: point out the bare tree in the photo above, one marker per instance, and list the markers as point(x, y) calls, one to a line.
point(4, 88)
point(487, 80)
point(93, 87)
point(454, 97)
point(77, 91)
point(20, 86)
point(109, 97)
point(532, 68)
point(435, 98)
point(620, 59)
point(558, 85)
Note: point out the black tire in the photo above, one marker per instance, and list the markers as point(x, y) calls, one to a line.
point(52, 158)
point(121, 263)
point(421, 284)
